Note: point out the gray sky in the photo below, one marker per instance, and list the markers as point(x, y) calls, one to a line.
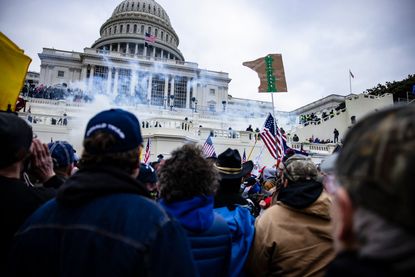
point(319, 39)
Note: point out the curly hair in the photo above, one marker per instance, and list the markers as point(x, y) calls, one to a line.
point(187, 174)
point(125, 161)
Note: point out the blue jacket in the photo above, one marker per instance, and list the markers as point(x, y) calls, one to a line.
point(101, 224)
point(241, 223)
point(208, 234)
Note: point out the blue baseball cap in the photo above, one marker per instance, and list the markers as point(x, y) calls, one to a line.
point(123, 125)
point(62, 153)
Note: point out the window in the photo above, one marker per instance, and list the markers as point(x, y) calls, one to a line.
point(100, 79)
point(212, 92)
point(121, 27)
point(149, 30)
point(180, 86)
point(167, 37)
point(128, 28)
point(135, 28)
point(157, 90)
point(132, 6)
point(156, 32)
point(142, 29)
point(212, 106)
point(162, 35)
point(115, 29)
point(61, 73)
point(110, 30)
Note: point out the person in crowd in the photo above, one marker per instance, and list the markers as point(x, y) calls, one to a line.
point(249, 129)
point(293, 237)
point(102, 222)
point(233, 207)
point(19, 200)
point(296, 138)
point(148, 177)
point(336, 135)
point(63, 156)
point(374, 196)
point(188, 183)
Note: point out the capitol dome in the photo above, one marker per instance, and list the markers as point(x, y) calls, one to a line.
point(140, 28)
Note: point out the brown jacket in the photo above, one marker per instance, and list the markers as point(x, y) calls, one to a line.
point(293, 242)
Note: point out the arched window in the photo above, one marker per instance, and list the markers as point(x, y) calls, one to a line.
point(138, 6)
point(144, 6)
point(158, 11)
point(135, 28)
point(162, 35)
point(156, 32)
point(115, 29)
point(149, 8)
point(167, 37)
point(110, 31)
point(121, 27)
point(142, 29)
point(132, 6)
point(154, 9)
point(149, 30)
point(128, 28)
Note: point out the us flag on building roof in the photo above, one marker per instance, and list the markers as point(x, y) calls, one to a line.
point(148, 38)
point(147, 153)
point(272, 138)
point(208, 149)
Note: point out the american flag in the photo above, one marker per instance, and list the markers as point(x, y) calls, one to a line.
point(149, 38)
point(244, 157)
point(208, 149)
point(351, 74)
point(147, 154)
point(274, 141)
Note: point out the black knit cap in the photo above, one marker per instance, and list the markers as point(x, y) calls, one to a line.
point(15, 138)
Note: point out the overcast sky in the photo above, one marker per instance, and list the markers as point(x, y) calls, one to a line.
point(319, 39)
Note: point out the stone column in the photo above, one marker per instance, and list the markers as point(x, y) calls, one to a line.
point(115, 89)
point(161, 53)
point(133, 82)
point(149, 88)
point(145, 51)
point(127, 48)
point(154, 52)
point(166, 91)
point(118, 47)
point(172, 90)
point(83, 76)
point(91, 79)
point(110, 47)
point(136, 49)
point(188, 94)
point(108, 92)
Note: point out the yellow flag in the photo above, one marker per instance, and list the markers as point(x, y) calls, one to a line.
point(13, 67)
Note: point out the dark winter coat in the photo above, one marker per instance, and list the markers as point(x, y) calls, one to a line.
point(101, 224)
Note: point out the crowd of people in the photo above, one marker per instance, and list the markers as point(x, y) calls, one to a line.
point(55, 93)
point(105, 213)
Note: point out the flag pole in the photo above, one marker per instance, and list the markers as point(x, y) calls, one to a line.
point(350, 81)
point(275, 125)
point(252, 149)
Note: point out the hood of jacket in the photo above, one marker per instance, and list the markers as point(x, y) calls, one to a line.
point(307, 197)
point(194, 214)
point(90, 183)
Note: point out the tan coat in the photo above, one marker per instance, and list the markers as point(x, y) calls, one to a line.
point(292, 242)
